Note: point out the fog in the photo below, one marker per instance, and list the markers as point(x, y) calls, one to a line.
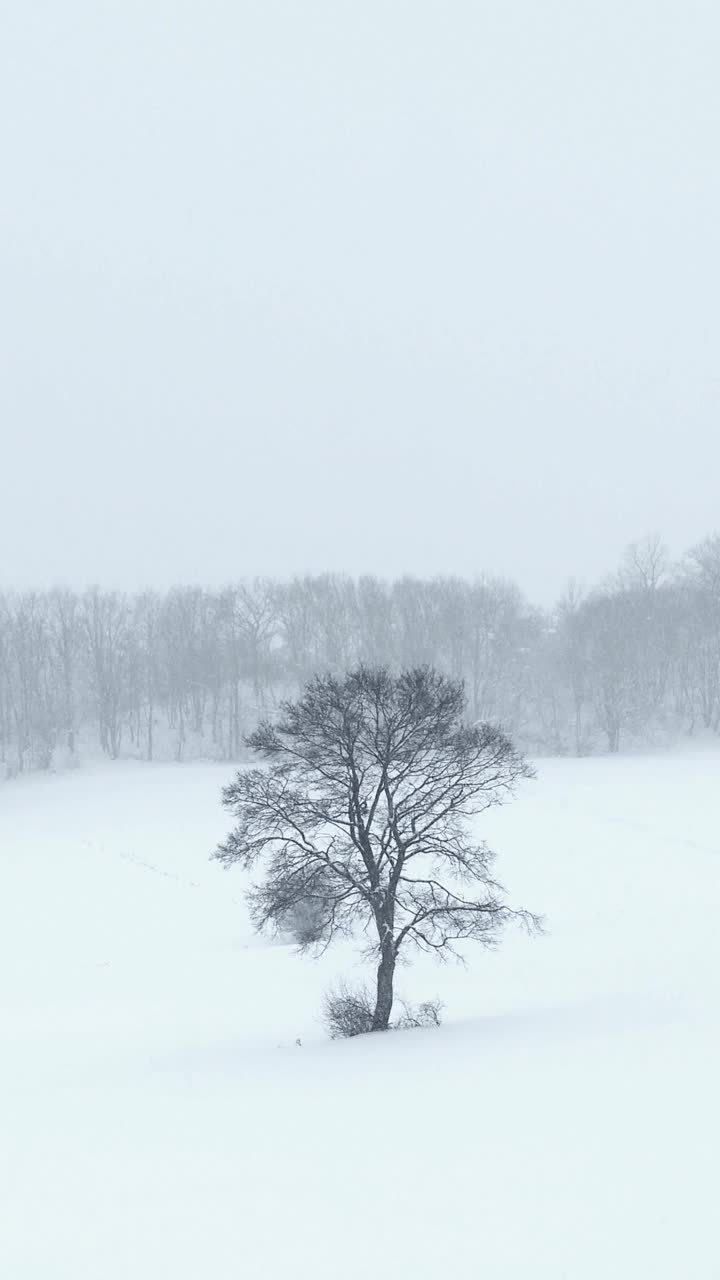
point(380, 288)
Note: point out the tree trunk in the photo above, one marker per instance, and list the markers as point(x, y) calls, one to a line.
point(385, 975)
point(578, 731)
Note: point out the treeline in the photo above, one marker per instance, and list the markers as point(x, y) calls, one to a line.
point(187, 673)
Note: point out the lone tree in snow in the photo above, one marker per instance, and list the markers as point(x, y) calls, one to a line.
point(362, 817)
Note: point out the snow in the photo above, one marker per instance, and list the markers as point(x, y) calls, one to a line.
point(159, 1118)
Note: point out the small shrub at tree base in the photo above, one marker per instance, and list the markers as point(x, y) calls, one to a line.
point(347, 1012)
point(426, 1014)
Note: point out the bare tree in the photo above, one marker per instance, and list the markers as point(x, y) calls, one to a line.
point(106, 624)
point(573, 657)
point(699, 587)
point(645, 563)
point(608, 640)
point(29, 680)
point(363, 811)
point(65, 632)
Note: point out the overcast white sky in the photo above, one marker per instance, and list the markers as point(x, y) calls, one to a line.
point(378, 286)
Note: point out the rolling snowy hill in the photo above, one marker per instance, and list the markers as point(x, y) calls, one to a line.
point(160, 1118)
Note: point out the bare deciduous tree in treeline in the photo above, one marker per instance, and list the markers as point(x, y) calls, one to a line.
point(363, 813)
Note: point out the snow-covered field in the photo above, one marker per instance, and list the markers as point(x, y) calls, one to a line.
point(161, 1120)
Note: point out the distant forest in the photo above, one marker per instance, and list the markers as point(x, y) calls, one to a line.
point(188, 673)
